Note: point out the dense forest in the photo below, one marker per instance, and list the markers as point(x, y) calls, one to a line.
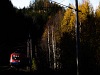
point(52, 30)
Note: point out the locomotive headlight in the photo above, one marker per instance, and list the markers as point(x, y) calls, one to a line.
point(18, 60)
point(14, 56)
point(17, 56)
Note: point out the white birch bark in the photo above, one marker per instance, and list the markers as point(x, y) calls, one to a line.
point(53, 47)
point(49, 45)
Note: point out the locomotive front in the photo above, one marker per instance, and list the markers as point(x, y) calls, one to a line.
point(18, 60)
point(15, 59)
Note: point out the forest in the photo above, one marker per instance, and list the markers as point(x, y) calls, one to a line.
point(52, 30)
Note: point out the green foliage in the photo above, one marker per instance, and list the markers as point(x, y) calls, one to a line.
point(34, 67)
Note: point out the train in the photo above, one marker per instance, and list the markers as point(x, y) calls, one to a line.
point(18, 59)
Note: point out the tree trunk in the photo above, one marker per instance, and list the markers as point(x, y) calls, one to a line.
point(49, 46)
point(53, 47)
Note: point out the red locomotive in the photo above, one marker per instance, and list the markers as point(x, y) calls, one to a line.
point(18, 59)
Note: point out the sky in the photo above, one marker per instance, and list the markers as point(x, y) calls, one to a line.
point(25, 3)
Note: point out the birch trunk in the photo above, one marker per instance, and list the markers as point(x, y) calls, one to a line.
point(49, 45)
point(53, 47)
point(29, 51)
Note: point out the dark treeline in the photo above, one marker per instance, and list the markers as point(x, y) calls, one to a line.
point(14, 29)
point(52, 30)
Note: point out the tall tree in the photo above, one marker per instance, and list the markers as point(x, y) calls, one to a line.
point(87, 36)
point(97, 23)
point(67, 42)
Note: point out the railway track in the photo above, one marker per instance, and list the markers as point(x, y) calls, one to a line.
point(11, 69)
point(7, 69)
